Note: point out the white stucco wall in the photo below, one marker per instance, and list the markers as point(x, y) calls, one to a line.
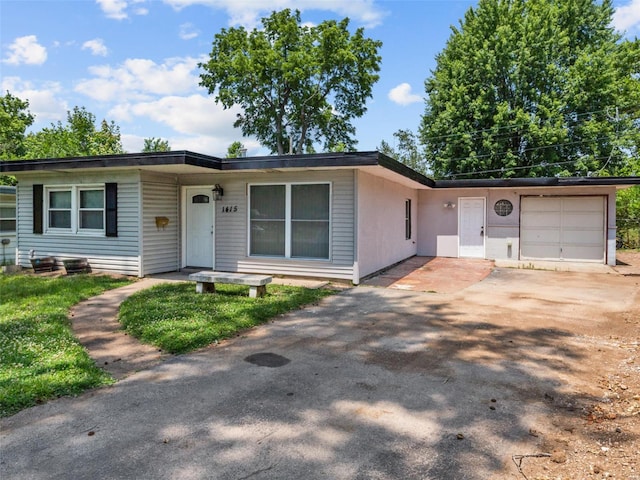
point(438, 226)
point(381, 223)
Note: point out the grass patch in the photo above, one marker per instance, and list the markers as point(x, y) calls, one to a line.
point(176, 319)
point(40, 358)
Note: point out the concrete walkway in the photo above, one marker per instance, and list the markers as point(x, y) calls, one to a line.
point(95, 324)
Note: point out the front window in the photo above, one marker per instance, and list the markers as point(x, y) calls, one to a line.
point(7, 218)
point(268, 220)
point(75, 210)
point(91, 209)
point(60, 209)
point(407, 219)
point(290, 220)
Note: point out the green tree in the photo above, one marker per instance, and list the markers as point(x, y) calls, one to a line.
point(77, 138)
point(154, 144)
point(236, 150)
point(533, 88)
point(15, 118)
point(406, 150)
point(297, 85)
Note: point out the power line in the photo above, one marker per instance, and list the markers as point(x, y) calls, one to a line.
point(523, 167)
point(531, 149)
point(628, 109)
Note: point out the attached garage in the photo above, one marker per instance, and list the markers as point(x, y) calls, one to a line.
point(563, 228)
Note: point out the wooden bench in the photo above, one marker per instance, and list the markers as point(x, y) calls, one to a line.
point(206, 280)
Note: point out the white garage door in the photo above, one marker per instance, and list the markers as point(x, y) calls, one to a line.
point(562, 228)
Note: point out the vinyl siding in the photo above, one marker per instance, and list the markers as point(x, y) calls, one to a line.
point(160, 246)
point(231, 230)
point(109, 254)
point(8, 200)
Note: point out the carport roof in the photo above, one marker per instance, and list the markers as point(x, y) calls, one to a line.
point(538, 182)
point(177, 162)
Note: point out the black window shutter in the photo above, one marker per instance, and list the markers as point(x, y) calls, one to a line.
point(38, 197)
point(111, 210)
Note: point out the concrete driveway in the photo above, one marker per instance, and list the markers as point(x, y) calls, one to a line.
point(373, 383)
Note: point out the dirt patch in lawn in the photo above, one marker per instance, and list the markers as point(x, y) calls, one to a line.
point(590, 425)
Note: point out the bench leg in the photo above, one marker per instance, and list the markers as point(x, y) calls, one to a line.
point(202, 287)
point(259, 291)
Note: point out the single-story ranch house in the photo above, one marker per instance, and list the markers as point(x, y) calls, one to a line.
point(335, 215)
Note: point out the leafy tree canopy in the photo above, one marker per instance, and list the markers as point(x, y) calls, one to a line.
point(533, 88)
point(15, 118)
point(153, 144)
point(236, 150)
point(78, 137)
point(406, 150)
point(296, 84)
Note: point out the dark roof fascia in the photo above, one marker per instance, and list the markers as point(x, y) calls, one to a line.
point(538, 182)
point(325, 160)
point(113, 161)
point(400, 168)
point(320, 160)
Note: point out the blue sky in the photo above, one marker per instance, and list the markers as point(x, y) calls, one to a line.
point(135, 61)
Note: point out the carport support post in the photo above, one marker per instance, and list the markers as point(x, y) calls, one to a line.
point(202, 287)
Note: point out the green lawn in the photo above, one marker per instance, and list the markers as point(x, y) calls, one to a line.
point(40, 358)
point(176, 319)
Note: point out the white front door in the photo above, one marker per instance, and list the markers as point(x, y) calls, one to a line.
point(471, 228)
point(199, 226)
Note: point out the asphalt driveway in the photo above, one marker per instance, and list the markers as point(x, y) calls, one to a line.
point(373, 383)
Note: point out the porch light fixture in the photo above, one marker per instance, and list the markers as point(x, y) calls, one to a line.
point(217, 192)
point(449, 205)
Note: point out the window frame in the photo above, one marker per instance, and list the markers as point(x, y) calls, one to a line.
point(288, 221)
point(75, 210)
point(407, 219)
point(14, 218)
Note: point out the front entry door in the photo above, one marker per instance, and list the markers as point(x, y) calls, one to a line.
point(471, 228)
point(199, 226)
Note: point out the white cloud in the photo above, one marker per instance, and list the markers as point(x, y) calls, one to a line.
point(402, 95)
point(627, 17)
point(44, 100)
point(248, 12)
point(26, 50)
point(200, 124)
point(141, 79)
point(191, 115)
point(114, 8)
point(188, 31)
point(96, 46)
point(117, 9)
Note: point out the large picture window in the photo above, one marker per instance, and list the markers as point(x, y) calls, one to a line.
point(290, 220)
point(75, 210)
